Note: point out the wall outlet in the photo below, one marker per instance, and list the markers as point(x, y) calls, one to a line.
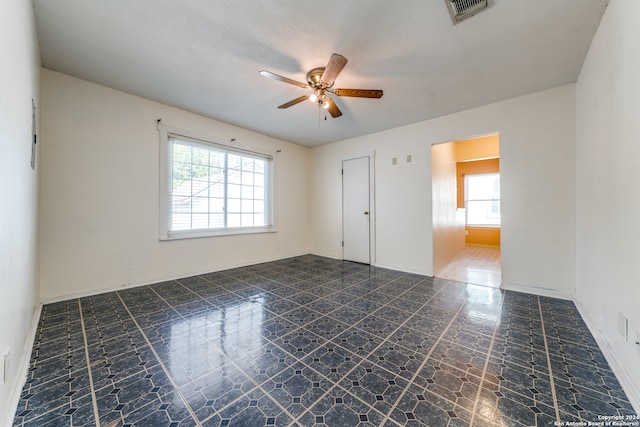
point(623, 326)
point(6, 364)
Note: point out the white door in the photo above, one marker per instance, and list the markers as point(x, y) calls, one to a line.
point(356, 216)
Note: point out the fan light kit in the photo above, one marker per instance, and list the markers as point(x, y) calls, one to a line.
point(320, 80)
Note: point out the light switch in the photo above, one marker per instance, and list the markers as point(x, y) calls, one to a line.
point(623, 326)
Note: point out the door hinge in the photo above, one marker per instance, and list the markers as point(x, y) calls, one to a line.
point(343, 243)
point(342, 172)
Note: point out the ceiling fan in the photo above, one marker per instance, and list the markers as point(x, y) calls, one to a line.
point(320, 80)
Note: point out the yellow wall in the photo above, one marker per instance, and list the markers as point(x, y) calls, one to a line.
point(482, 236)
point(475, 156)
point(486, 147)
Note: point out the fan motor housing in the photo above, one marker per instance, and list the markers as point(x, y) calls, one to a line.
point(314, 77)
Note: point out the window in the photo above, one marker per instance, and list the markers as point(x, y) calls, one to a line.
point(213, 189)
point(482, 199)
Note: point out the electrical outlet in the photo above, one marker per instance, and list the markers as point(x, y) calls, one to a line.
point(6, 364)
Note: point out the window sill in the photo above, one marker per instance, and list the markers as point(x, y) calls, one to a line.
point(198, 234)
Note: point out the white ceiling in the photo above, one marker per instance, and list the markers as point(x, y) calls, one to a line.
point(204, 56)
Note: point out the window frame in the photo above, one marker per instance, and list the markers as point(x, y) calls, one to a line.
point(166, 170)
point(466, 201)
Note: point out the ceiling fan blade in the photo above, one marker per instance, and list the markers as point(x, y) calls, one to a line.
point(280, 78)
point(333, 108)
point(333, 68)
point(294, 101)
point(360, 93)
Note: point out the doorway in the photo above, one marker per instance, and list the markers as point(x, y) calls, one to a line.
point(357, 209)
point(467, 247)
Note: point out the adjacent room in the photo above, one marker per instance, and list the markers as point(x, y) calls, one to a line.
point(296, 214)
point(475, 244)
point(477, 171)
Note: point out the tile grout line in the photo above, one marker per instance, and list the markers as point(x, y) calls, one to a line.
point(94, 402)
point(321, 314)
point(164, 368)
point(257, 385)
point(545, 308)
point(327, 297)
point(245, 281)
point(486, 363)
point(386, 418)
point(50, 409)
point(546, 348)
point(363, 358)
point(422, 365)
point(295, 420)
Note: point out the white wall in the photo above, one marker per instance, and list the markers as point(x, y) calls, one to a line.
point(19, 83)
point(537, 158)
point(99, 203)
point(448, 223)
point(608, 192)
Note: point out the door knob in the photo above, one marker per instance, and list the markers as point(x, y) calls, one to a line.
point(366, 212)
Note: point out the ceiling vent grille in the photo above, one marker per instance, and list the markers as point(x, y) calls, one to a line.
point(464, 9)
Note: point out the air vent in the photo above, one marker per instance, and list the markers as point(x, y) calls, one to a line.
point(465, 9)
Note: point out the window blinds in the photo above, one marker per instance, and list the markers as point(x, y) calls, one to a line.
point(217, 187)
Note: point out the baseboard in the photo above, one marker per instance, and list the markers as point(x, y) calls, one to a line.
point(66, 297)
point(534, 290)
point(455, 258)
point(23, 368)
point(404, 270)
point(325, 255)
point(380, 265)
point(631, 389)
point(480, 245)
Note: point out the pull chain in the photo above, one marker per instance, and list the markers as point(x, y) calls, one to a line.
point(320, 115)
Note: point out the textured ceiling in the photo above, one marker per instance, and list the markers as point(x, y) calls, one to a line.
point(204, 56)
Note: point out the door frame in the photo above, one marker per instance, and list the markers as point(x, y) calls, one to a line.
point(371, 155)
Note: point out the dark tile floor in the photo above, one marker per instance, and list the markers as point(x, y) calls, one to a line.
point(311, 341)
